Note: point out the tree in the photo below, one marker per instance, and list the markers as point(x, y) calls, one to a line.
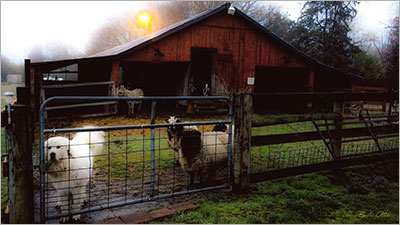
point(322, 32)
point(366, 65)
point(276, 20)
point(115, 32)
point(125, 28)
point(390, 72)
point(37, 54)
point(8, 67)
point(52, 51)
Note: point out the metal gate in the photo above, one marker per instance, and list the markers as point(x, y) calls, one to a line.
point(136, 163)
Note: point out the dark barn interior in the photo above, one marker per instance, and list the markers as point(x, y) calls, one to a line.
point(155, 79)
point(201, 60)
point(280, 80)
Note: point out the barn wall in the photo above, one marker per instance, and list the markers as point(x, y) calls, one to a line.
point(242, 48)
point(93, 72)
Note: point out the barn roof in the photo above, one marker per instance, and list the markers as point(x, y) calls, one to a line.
point(130, 47)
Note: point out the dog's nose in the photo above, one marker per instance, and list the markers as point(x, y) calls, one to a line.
point(52, 156)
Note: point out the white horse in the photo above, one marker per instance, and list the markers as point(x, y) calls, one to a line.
point(137, 92)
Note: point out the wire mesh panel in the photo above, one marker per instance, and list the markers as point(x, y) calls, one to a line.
point(90, 168)
point(284, 155)
point(282, 139)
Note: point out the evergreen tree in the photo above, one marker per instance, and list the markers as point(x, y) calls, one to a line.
point(391, 57)
point(322, 32)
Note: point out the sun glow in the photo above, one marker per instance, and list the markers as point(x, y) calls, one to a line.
point(144, 18)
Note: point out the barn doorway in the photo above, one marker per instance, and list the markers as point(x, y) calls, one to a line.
point(155, 79)
point(201, 69)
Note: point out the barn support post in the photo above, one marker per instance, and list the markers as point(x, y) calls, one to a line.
point(20, 180)
point(311, 81)
point(38, 78)
point(27, 72)
point(30, 84)
point(241, 157)
point(115, 72)
point(338, 108)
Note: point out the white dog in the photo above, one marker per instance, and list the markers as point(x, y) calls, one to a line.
point(69, 166)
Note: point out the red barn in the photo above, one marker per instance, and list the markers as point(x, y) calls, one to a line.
point(224, 51)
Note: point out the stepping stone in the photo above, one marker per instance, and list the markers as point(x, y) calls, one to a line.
point(161, 213)
point(137, 217)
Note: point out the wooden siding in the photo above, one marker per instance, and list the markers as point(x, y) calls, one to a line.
point(231, 35)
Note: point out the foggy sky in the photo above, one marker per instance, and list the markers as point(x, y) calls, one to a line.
point(25, 24)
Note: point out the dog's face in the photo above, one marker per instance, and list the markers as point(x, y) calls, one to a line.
point(56, 149)
point(174, 133)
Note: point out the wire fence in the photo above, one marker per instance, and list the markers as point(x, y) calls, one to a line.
point(291, 140)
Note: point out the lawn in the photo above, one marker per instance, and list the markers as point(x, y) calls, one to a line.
point(4, 188)
point(134, 153)
point(311, 198)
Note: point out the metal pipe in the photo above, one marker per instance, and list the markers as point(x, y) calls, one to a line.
point(152, 149)
point(163, 98)
point(230, 143)
point(42, 163)
point(9, 113)
point(134, 201)
point(80, 129)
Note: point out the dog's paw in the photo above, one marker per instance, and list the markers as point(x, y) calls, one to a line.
point(76, 218)
point(63, 219)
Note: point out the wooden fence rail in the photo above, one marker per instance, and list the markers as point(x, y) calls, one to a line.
point(311, 136)
point(325, 97)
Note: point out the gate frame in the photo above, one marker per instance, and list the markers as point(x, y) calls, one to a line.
point(152, 126)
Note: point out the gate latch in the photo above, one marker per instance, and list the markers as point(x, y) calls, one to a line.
point(4, 162)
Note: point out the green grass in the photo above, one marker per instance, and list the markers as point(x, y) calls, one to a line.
point(136, 153)
point(4, 186)
point(312, 198)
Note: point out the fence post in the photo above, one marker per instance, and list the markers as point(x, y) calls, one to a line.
point(20, 181)
point(242, 121)
point(338, 108)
